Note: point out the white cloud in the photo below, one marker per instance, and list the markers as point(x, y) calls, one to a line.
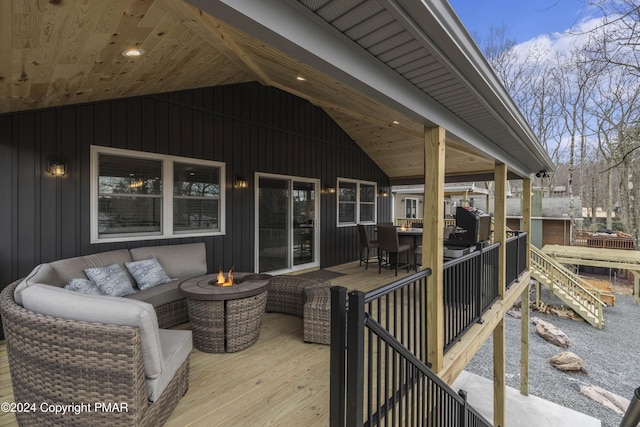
point(549, 46)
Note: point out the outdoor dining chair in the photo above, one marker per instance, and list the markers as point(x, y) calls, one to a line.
point(391, 247)
point(366, 245)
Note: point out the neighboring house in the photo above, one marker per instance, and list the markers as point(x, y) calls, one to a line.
point(598, 218)
point(559, 190)
point(408, 200)
point(258, 128)
point(550, 219)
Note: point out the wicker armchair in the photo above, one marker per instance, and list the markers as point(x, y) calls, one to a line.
point(66, 362)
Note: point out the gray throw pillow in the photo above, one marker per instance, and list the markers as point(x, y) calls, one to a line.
point(112, 280)
point(147, 273)
point(84, 286)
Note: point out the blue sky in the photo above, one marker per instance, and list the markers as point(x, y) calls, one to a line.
point(523, 19)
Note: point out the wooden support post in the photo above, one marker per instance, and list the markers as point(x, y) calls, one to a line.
point(499, 339)
point(524, 306)
point(432, 241)
point(524, 343)
point(487, 197)
point(636, 287)
point(500, 224)
point(499, 375)
point(526, 214)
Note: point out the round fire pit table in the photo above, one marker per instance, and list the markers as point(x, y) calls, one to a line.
point(225, 319)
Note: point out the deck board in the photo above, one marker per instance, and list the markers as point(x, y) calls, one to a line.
point(279, 381)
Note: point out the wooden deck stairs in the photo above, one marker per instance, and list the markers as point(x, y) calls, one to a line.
point(584, 298)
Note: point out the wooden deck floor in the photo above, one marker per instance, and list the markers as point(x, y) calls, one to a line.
point(279, 381)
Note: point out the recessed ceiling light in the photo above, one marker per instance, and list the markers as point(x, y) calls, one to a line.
point(132, 53)
point(301, 79)
point(395, 122)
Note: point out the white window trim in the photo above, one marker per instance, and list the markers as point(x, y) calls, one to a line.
point(316, 231)
point(406, 201)
point(357, 218)
point(167, 195)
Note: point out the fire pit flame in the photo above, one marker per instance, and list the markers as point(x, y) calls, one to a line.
point(225, 281)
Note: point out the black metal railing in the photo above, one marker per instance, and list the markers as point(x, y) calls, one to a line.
point(470, 287)
point(517, 252)
point(401, 308)
point(489, 280)
point(379, 370)
point(378, 354)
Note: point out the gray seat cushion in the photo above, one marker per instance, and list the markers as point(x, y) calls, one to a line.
point(59, 273)
point(179, 261)
point(176, 347)
point(163, 351)
point(71, 268)
point(59, 302)
point(159, 295)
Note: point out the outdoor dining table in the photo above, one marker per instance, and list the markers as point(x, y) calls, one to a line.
point(413, 236)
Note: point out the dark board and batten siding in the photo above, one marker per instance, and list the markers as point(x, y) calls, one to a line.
point(250, 127)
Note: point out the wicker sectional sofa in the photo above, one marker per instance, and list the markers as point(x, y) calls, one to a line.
point(106, 360)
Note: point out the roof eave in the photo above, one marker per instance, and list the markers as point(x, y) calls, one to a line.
point(301, 34)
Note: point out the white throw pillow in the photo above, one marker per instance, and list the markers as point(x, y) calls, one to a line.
point(147, 273)
point(112, 280)
point(84, 286)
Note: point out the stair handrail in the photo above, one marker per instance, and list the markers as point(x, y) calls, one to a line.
point(581, 283)
point(580, 295)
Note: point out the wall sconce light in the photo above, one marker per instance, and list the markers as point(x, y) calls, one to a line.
point(383, 193)
point(136, 181)
point(329, 190)
point(57, 167)
point(241, 182)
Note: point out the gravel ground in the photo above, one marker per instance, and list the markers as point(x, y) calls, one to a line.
point(611, 357)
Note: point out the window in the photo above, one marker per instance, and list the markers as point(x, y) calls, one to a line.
point(196, 198)
point(356, 202)
point(138, 196)
point(410, 208)
point(129, 195)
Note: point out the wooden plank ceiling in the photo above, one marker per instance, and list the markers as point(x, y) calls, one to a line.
point(61, 52)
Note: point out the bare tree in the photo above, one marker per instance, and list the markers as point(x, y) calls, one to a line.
point(629, 184)
point(615, 44)
point(531, 80)
point(620, 34)
point(615, 103)
point(583, 105)
point(577, 80)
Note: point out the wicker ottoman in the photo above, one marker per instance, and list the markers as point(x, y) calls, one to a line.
point(305, 297)
point(317, 315)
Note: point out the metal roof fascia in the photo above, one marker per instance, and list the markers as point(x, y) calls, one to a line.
point(448, 21)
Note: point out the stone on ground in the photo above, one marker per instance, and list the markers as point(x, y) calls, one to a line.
point(610, 400)
point(568, 361)
point(550, 333)
point(515, 313)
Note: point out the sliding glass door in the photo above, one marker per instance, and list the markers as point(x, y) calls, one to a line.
point(287, 232)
